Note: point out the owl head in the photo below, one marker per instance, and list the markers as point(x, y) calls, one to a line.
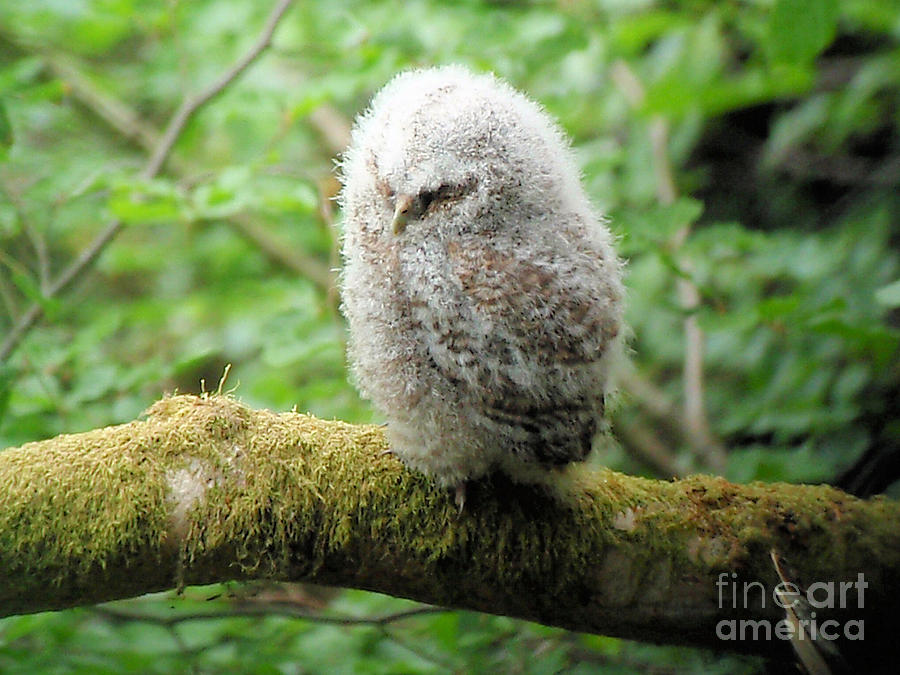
point(446, 152)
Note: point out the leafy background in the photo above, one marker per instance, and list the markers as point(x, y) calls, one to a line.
point(746, 152)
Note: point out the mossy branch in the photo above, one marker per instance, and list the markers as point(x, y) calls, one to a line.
point(205, 490)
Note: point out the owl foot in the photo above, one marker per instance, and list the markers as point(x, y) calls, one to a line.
point(460, 496)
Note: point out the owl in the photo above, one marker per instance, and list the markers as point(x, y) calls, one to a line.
point(482, 292)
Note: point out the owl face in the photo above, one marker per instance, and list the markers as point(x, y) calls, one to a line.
point(443, 154)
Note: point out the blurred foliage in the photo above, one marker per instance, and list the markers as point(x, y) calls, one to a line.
point(782, 132)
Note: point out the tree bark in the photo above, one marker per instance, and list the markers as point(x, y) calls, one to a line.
point(206, 490)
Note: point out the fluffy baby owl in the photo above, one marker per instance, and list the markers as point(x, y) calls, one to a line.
point(483, 294)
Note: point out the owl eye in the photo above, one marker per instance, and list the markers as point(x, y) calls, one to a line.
point(444, 192)
point(426, 197)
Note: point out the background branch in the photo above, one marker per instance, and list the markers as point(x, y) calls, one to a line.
point(695, 421)
point(164, 146)
point(125, 121)
point(268, 609)
point(192, 104)
point(649, 448)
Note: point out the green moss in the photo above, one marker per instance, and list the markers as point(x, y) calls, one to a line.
point(75, 504)
point(206, 489)
point(328, 485)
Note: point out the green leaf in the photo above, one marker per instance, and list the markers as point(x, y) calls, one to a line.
point(31, 289)
point(752, 86)
point(635, 31)
point(146, 202)
point(889, 295)
point(21, 73)
point(800, 29)
point(6, 131)
point(795, 126)
point(8, 376)
point(658, 223)
point(10, 224)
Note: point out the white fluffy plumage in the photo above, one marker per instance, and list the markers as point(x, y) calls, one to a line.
point(482, 292)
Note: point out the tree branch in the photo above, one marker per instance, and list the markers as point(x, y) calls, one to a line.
point(207, 490)
point(187, 109)
point(695, 421)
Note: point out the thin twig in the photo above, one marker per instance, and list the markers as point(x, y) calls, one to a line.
point(657, 403)
point(181, 117)
point(666, 192)
point(192, 104)
point(8, 298)
point(649, 449)
point(9, 260)
point(38, 243)
point(333, 126)
point(695, 419)
point(689, 296)
point(121, 118)
point(114, 112)
point(304, 265)
point(274, 609)
point(650, 397)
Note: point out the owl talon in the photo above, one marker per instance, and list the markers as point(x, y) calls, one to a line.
point(460, 496)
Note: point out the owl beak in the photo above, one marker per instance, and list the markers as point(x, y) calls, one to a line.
point(401, 213)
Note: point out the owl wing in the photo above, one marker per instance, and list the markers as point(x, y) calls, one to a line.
point(560, 310)
point(545, 325)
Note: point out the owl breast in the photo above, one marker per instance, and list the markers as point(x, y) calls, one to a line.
point(514, 336)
